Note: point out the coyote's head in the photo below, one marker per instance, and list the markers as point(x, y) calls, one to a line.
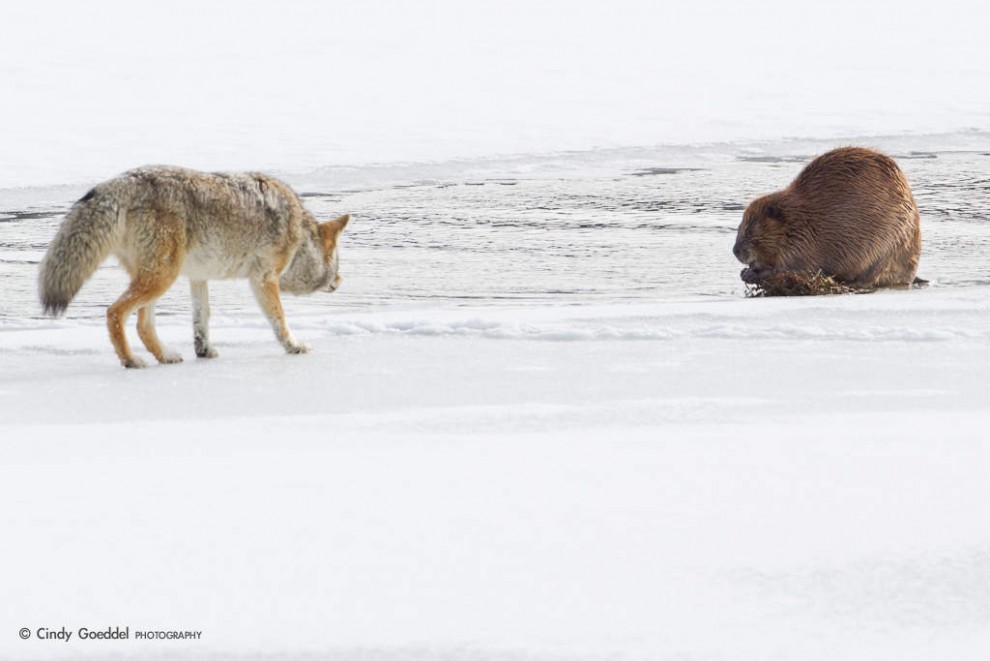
point(314, 266)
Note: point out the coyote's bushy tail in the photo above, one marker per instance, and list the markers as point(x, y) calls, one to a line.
point(83, 241)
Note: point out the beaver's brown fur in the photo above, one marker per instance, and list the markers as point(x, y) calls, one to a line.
point(849, 214)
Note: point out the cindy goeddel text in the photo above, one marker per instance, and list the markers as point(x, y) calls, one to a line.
point(65, 634)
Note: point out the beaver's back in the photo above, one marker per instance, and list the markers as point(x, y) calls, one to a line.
point(846, 184)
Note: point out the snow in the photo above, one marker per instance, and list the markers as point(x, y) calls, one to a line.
point(744, 479)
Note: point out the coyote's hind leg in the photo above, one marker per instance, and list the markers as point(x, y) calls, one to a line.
point(153, 262)
point(148, 335)
point(144, 290)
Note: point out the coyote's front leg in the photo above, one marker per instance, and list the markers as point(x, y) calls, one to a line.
point(201, 319)
point(266, 291)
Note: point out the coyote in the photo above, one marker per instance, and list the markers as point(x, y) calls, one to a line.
point(162, 221)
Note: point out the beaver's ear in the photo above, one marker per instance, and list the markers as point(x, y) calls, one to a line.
point(773, 211)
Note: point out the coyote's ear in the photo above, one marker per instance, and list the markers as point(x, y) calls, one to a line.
point(331, 229)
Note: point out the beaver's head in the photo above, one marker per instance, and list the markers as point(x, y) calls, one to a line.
point(762, 236)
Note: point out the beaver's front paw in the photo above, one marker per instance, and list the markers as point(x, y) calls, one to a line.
point(754, 275)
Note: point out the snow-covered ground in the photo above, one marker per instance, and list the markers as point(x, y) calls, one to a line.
point(736, 479)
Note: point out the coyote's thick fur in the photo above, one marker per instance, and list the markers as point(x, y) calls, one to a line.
point(164, 221)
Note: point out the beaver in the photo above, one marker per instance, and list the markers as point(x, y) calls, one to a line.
point(848, 215)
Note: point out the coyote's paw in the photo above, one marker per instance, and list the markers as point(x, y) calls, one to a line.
point(298, 347)
point(133, 363)
point(170, 357)
point(206, 352)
